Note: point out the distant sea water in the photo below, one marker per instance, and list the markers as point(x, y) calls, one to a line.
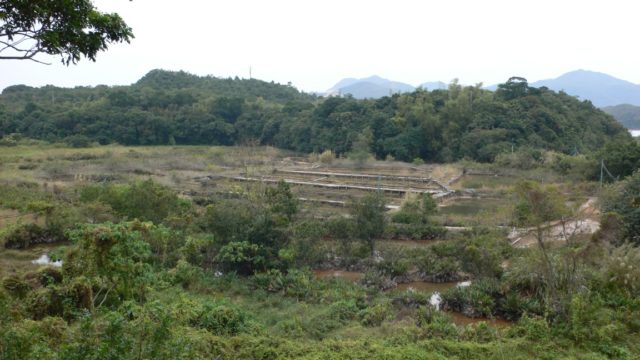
point(635, 132)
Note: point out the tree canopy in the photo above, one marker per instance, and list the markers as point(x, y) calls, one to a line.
point(68, 28)
point(461, 122)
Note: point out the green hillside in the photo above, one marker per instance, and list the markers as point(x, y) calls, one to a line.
point(179, 108)
point(627, 115)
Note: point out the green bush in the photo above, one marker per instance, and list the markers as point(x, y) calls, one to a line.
point(483, 254)
point(295, 283)
point(78, 141)
point(440, 268)
point(523, 158)
point(374, 315)
point(221, 319)
point(623, 199)
point(49, 276)
point(344, 310)
point(143, 200)
point(45, 302)
point(478, 299)
point(240, 256)
point(414, 231)
point(15, 285)
point(199, 249)
point(113, 256)
point(26, 235)
point(435, 323)
point(340, 228)
point(185, 274)
point(16, 341)
point(531, 327)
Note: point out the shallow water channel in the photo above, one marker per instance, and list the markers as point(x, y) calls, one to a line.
point(420, 286)
point(347, 275)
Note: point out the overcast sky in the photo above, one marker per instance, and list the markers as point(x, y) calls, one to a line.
point(313, 44)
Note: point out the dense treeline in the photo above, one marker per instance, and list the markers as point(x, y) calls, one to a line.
point(179, 108)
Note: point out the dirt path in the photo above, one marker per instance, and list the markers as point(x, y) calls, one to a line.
point(585, 223)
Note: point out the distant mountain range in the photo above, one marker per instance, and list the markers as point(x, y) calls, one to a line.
point(372, 87)
point(604, 91)
point(601, 89)
point(375, 87)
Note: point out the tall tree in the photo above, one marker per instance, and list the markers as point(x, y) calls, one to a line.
point(369, 215)
point(538, 206)
point(69, 28)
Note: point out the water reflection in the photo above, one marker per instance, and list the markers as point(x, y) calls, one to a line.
point(420, 286)
point(436, 300)
point(347, 275)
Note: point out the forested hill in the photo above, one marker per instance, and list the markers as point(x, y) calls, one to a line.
point(179, 108)
point(627, 115)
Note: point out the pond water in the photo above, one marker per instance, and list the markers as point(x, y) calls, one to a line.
point(471, 207)
point(436, 288)
point(347, 275)
point(428, 287)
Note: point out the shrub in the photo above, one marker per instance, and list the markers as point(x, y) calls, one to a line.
point(49, 276)
point(376, 314)
point(79, 295)
point(78, 141)
point(622, 158)
point(306, 245)
point(623, 199)
point(15, 285)
point(531, 327)
point(143, 200)
point(240, 256)
point(112, 255)
point(185, 274)
point(621, 270)
point(482, 255)
point(295, 283)
point(439, 267)
point(476, 300)
point(26, 235)
point(523, 158)
point(340, 228)
point(327, 157)
point(45, 302)
point(221, 319)
point(415, 231)
point(435, 323)
point(199, 250)
point(343, 310)
point(54, 329)
point(394, 267)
